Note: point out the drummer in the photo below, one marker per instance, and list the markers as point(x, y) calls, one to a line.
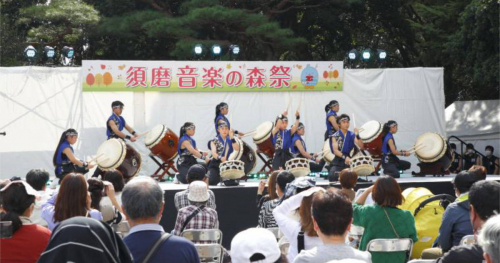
point(221, 110)
point(282, 139)
point(188, 152)
point(64, 159)
point(221, 146)
point(299, 150)
point(341, 144)
point(391, 163)
point(116, 123)
point(331, 109)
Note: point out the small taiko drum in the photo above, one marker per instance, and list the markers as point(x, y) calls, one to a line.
point(245, 154)
point(327, 152)
point(162, 142)
point(263, 138)
point(371, 135)
point(116, 154)
point(362, 165)
point(298, 167)
point(431, 147)
point(232, 170)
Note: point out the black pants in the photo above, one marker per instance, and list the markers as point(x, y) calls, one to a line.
point(316, 167)
point(392, 165)
point(183, 165)
point(336, 166)
point(280, 158)
point(214, 172)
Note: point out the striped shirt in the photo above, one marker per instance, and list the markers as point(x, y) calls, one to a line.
point(266, 218)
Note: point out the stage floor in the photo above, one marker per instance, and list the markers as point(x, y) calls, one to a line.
point(237, 209)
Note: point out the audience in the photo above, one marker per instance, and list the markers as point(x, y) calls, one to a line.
point(72, 200)
point(115, 177)
point(479, 171)
point(484, 199)
point(38, 179)
point(97, 188)
point(489, 239)
point(332, 218)
point(196, 172)
point(281, 179)
point(348, 179)
point(384, 219)
point(143, 205)
point(301, 235)
point(271, 190)
point(197, 215)
point(82, 239)
point(28, 240)
point(256, 245)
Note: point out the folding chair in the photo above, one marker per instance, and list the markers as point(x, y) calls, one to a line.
point(121, 228)
point(203, 235)
point(210, 253)
point(467, 241)
point(391, 245)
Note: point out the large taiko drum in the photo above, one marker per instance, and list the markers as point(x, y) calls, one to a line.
point(162, 142)
point(263, 138)
point(245, 154)
point(298, 167)
point(371, 135)
point(431, 147)
point(115, 154)
point(362, 165)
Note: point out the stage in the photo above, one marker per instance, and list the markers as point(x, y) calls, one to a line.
point(237, 209)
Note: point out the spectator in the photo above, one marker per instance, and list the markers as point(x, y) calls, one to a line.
point(3, 183)
point(332, 218)
point(490, 162)
point(72, 200)
point(143, 204)
point(470, 157)
point(115, 177)
point(197, 215)
point(28, 240)
point(97, 188)
point(196, 172)
point(256, 245)
point(266, 218)
point(38, 179)
point(384, 219)
point(82, 239)
point(271, 190)
point(302, 232)
point(489, 239)
point(456, 164)
point(348, 179)
point(483, 198)
point(479, 171)
point(456, 220)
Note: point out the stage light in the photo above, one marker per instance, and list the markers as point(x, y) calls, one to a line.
point(216, 50)
point(49, 52)
point(30, 53)
point(198, 49)
point(68, 52)
point(382, 54)
point(234, 49)
point(353, 54)
point(366, 54)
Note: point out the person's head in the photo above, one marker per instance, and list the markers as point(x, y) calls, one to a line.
point(223, 129)
point(489, 239)
point(72, 198)
point(343, 121)
point(69, 135)
point(197, 172)
point(463, 182)
point(488, 151)
point(256, 245)
point(386, 192)
point(301, 129)
point(142, 200)
point(483, 198)
point(188, 128)
point(479, 171)
point(332, 213)
point(221, 108)
point(389, 127)
point(469, 148)
point(348, 178)
point(96, 190)
point(117, 107)
point(284, 122)
point(3, 183)
point(305, 215)
point(272, 184)
point(18, 199)
point(332, 105)
point(38, 179)
point(453, 146)
point(198, 192)
point(115, 177)
point(283, 178)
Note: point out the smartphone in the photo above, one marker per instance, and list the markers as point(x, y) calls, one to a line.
point(5, 229)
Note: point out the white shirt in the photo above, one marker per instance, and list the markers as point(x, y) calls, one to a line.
point(36, 217)
point(146, 227)
point(105, 201)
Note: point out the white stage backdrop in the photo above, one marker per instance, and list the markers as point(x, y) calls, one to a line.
point(37, 104)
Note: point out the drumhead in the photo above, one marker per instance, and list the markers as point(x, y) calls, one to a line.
point(112, 153)
point(263, 131)
point(155, 135)
point(370, 131)
point(430, 147)
point(236, 154)
point(327, 153)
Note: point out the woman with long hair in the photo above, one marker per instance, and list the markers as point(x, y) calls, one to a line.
point(331, 110)
point(64, 159)
point(391, 163)
point(188, 152)
point(221, 110)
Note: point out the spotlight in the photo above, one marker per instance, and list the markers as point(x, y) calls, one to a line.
point(352, 54)
point(382, 54)
point(366, 54)
point(216, 50)
point(30, 53)
point(198, 49)
point(68, 52)
point(49, 52)
point(234, 49)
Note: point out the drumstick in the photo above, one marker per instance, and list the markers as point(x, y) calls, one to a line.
point(248, 134)
point(416, 149)
point(95, 158)
point(289, 102)
point(300, 103)
point(142, 134)
point(416, 146)
point(361, 129)
point(354, 120)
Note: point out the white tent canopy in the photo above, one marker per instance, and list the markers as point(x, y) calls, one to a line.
point(476, 122)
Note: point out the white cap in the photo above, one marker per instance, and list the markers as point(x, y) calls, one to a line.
point(252, 241)
point(198, 191)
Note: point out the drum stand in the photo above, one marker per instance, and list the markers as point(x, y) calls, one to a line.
point(165, 167)
point(435, 168)
point(267, 163)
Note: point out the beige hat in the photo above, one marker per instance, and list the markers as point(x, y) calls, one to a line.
point(253, 241)
point(198, 191)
